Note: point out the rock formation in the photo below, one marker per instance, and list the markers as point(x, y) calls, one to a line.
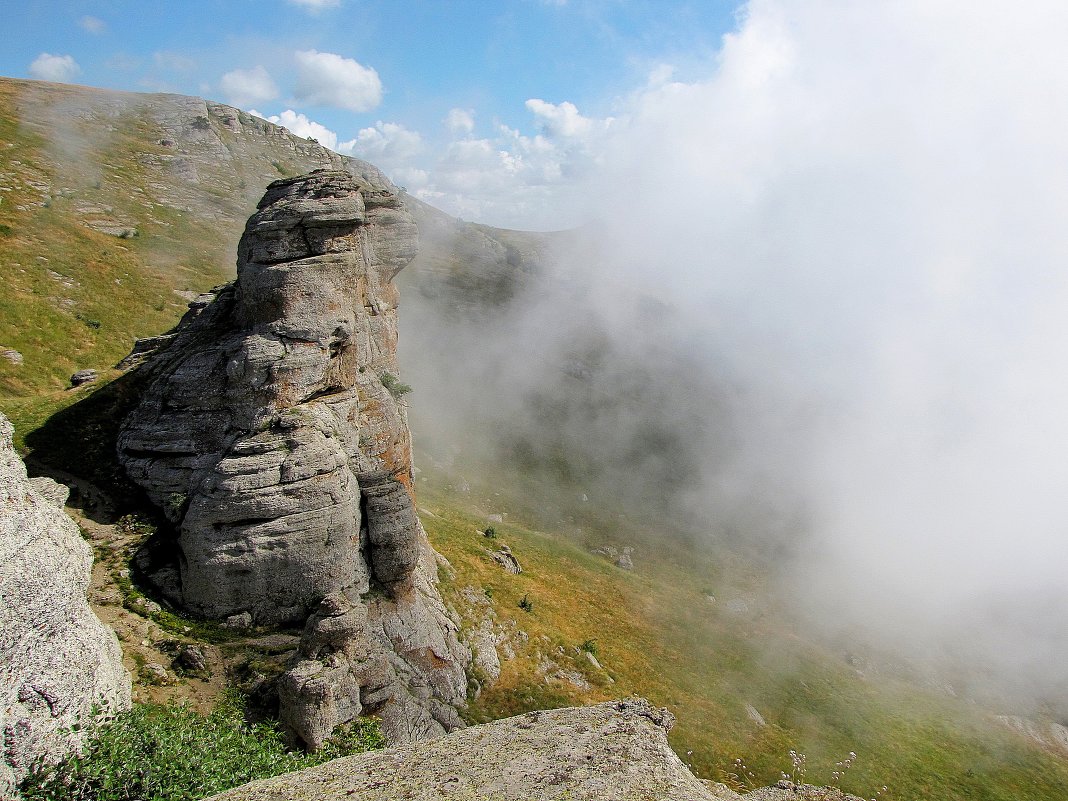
point(609, 752)
point(615, 751)
point(269, 437)
point(57, 660)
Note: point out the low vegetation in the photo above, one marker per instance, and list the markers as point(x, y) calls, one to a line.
point(167, 752)
point(397, 388)
point(656, 632)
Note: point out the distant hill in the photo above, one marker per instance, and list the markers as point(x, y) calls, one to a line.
point(117, 208)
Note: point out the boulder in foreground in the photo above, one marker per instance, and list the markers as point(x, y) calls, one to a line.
point(58, 662)
point(608, 752)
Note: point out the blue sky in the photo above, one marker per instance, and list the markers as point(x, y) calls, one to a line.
point(394, 70)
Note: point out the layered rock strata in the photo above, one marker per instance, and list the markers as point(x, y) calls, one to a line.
point(58, 662)
point(269, 437)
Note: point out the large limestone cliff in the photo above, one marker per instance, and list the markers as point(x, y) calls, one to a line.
point(269, 437)
point(57, 660)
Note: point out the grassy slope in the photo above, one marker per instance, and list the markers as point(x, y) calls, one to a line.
point(109, 290)
point(658, 635)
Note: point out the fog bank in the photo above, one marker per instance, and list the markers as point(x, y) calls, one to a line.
point(862, 209)
point(850, 235)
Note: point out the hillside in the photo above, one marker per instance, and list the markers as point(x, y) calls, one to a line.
point(119, 209)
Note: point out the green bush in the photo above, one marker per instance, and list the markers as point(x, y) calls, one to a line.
point(395, 386)
point(171, 753)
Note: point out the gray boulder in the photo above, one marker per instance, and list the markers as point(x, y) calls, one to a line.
point(83, 377)
point(57, 660)
point(608, 752)
point(268, 438)
point(506, 559)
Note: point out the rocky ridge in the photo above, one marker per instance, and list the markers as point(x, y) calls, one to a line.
point(269, 437)
point(58, 662)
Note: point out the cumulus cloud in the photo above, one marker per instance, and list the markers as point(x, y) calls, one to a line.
point(327, 79)
point(387, 144)
point(561, 119)
point(92, 25)
point(47, 67)
point(513, 179)
point(245, 87)
point(460, 121)
point(300, 125)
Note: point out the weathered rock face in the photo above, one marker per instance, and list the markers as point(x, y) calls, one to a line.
point(57, 660)
point(612, 751)
point(269, 439)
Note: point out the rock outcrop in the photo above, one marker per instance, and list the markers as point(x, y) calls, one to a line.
point(269, 437)
point(57, 660)
point(608, 752)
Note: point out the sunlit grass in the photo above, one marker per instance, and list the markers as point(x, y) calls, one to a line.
point(658, 635)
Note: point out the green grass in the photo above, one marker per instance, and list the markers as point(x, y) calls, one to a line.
point(658, 636)
point(168, 752)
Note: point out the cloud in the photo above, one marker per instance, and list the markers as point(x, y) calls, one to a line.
point(327, 79)
point(513, 179)
point(92, 25)
point(387, 145)
point(858, 215)
point(316, 5)
point(245, 87)
point(856, 218)
point(300, 125)
point(560, 120)
point(460, 121)
point(47, 67)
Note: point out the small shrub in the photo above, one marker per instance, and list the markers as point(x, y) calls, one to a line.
point(89, 321)
point(526, 604)
point(490, 532)
point(589, 646)
point(394, 386)
point(175, 502)
point(170, 753)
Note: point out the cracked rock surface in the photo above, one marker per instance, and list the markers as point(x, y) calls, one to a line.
point(268, 437)
point(57, 660)
point(609, 752)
